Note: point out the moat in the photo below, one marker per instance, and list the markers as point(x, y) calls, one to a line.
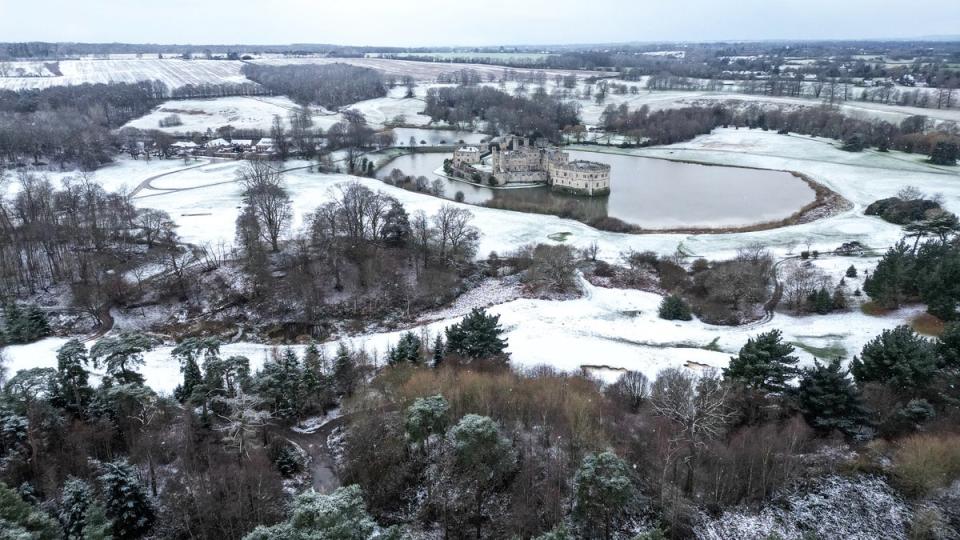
point(645, 192)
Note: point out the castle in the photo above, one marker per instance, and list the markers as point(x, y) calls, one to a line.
point(514, 160)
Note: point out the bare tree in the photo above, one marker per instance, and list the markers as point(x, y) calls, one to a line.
point(265, 194)
point(698, 409)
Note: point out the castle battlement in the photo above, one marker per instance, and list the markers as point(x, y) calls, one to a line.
point(514, 160)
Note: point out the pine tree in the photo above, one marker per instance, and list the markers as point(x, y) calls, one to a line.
point(407, 350)
point(820, 301)
point(73, 391)
point(602, 490)
point(673, 308)
point(280, 383)
point(852, 271)
point(81, 516)
point(121, 355)
point(21, 520)
point(13, 322)
point(839, 300)
point(948, 348)
point(425, 417)
point(478, 336)
point(829, 400)
point(189, 352)
point(892, 280)
point(316, 382)
point(126, 501)
point(765, 363)
point(24, 325)
point(439, 349)
point(899, 358)
point(341, 515)
point(37, 324)
point(482, 459)
point(344, 371)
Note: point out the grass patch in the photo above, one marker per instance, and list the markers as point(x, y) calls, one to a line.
point(712, 346)
point(874, 309)
point(833, 350)
point(923, 463)
point(560, 236)
point(927, 325)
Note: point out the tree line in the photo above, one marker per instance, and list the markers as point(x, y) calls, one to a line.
point(538, 114)
point(329, 85)
point(642, 126)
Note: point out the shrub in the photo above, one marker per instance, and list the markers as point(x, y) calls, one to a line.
point(673, 308)
point(923, 463)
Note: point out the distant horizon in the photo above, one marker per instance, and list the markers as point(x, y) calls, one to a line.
point(434, 23)
point(437, 46)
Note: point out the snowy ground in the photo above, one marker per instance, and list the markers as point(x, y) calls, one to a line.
point(174, 72)
point(423, 71)
point(616, 328)
point(208, 214)
point(257, 112)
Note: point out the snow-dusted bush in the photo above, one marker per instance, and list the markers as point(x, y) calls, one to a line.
point(863, 507)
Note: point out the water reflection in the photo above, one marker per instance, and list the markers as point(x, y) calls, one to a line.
point(650, 193)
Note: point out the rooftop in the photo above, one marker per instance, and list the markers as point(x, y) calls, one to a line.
point(588, 165)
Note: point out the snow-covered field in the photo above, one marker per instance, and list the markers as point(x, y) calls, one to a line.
point(174, 72)
point(861, 178)
point(241, 112)
point(423, 71)
point(257, 112)
point(615, 328)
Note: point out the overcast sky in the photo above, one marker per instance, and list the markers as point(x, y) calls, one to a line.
point(464, 22)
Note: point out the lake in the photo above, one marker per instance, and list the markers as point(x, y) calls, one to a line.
point(646, 192)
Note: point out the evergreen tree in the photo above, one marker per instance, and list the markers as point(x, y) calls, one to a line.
point(839, 300)
point(899, 358)
point(188, 353)
point(24, 326)
point(673, 308)
point(482, 460)
point(425, 417)
point(73, 391)
point(396, 225)
point(852, 271)
point(938, 282)
point(37, 323)
point(81, 516)
point(820, 301)
point(829, 400)
point(121, 355)
point(602, 491)
point(765, 363)
point(439, 349)
point(948, 348)
point(945, 153)
point(892, 281)
point(478, 336)
point(316, 383)
point(279, 382)
point(126, 501)
point(19, 520)
point(341, 515)
point(407, 350)
point(344, 371)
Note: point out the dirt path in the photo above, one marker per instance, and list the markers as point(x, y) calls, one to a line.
point(145, 184)
point(322, 467)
